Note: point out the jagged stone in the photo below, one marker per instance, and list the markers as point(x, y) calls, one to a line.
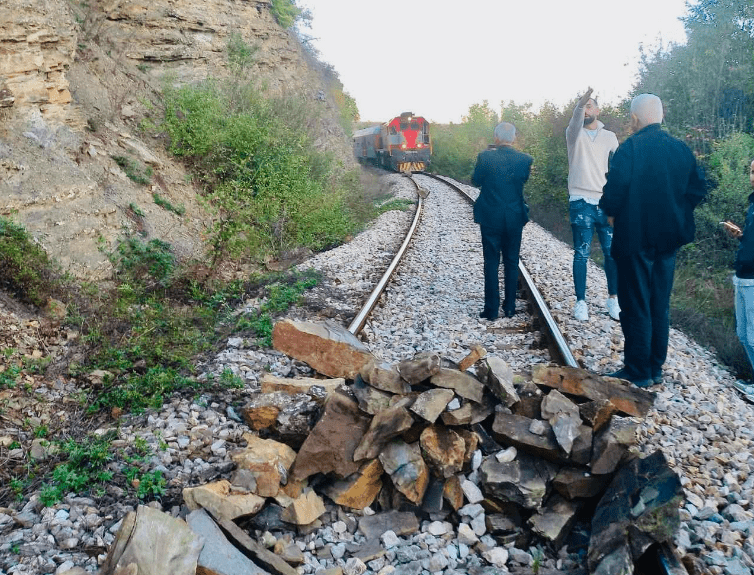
point(156, 543)
point(638, 509)
point(288, 551)
point(304, 509)
point(443, 450)
point(267, 559)
point(219, 498)
point(384, 376)
point(404, 464)
point(477, 352)
point(268, 460)
point(529, 401)
point(498, 376)
point(471, 440)
point(573, 482)
point(462, 383)
point(469, 413)
point(288, 418)
point(554, 520)
point(581, 450)
point(219, 556)
point(555, 402)
point(597, 413)
point(610, 445)
point(371, 400)
point(566, 429)
point(524, 481)
point(627, 398)
point(331, 444)
point(292, 386)
point(516, 430)
point(431, 403)
point(400, 522)
point(421, 367)
point(358, 490)
point(385, 426)
point(453, 493)
point(327, 347)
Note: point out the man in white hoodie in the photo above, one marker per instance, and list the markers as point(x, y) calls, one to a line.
point(590, 147)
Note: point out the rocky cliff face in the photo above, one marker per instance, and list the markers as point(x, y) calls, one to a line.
point(76, 80)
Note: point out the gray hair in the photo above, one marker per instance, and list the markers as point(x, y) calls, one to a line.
point(505, 132)
point(647, 108)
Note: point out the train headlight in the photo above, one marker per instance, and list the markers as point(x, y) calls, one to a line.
point(419, 146)
point(403, 146)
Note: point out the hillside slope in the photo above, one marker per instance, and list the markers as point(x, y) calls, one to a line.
point(76, 81)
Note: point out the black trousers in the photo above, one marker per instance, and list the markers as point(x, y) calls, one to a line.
point(506, 242)
point(645, 281)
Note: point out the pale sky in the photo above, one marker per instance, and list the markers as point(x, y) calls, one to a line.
point(436, 58)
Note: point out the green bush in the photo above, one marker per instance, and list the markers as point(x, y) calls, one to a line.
point(267, 189)
point(25, 269)
point(285, 11)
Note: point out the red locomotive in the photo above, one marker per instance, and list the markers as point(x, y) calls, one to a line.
point(402, 144)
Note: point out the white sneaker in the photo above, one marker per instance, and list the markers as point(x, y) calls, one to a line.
point(613, 308)
point(580, 311)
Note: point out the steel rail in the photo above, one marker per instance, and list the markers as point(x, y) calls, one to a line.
point(358, 322)
point(559, 346)
point(664, 558)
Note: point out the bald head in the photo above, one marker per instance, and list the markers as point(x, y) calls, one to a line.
point(646, 109)
point(505, 133)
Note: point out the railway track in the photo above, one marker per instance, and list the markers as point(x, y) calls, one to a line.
point(659, 559)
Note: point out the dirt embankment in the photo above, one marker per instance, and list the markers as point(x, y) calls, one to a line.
point(76, 83)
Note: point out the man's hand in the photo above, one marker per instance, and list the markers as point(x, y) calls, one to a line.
point(611, 221)
point(585, 98)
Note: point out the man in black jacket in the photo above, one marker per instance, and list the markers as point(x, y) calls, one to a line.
point(501, 213)
point(744, 286)
point(652, 188)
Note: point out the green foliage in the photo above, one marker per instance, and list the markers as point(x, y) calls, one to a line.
point(285, 12)
point(134, 170)
point(137, 392)
point(149, 263)
point(266, 186)
point(706, 83)
point(728, 170)
point(163, 203)
point(279, 297)
point(10, 377)
point(83, 469)
point(25, 269)
point(240, 55)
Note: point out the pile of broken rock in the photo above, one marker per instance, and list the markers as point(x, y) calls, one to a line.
point(511, 460)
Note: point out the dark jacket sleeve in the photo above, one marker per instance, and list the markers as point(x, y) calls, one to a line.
point(744, 264)
point(477, 177)
point(615, 191)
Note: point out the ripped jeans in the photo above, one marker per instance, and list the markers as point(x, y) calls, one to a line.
point(585, 218)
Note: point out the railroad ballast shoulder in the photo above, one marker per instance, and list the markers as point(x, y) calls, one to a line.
point(402, 144)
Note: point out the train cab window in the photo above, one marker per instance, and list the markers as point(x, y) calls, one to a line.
point(393, 131)
point(404, 126)
point(414, 125)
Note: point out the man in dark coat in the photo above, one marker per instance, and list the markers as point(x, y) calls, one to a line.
point(501, 213)
point(652, 188)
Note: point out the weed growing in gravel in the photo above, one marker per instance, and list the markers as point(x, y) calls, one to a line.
point(83, 469)
point(400, 204)
point(279, 298)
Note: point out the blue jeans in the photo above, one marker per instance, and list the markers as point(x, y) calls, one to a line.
point(585, 218)
point(745, 315)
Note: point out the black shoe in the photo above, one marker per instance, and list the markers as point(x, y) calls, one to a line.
point(657, 378)
point(621, 374)
point(488, 315)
